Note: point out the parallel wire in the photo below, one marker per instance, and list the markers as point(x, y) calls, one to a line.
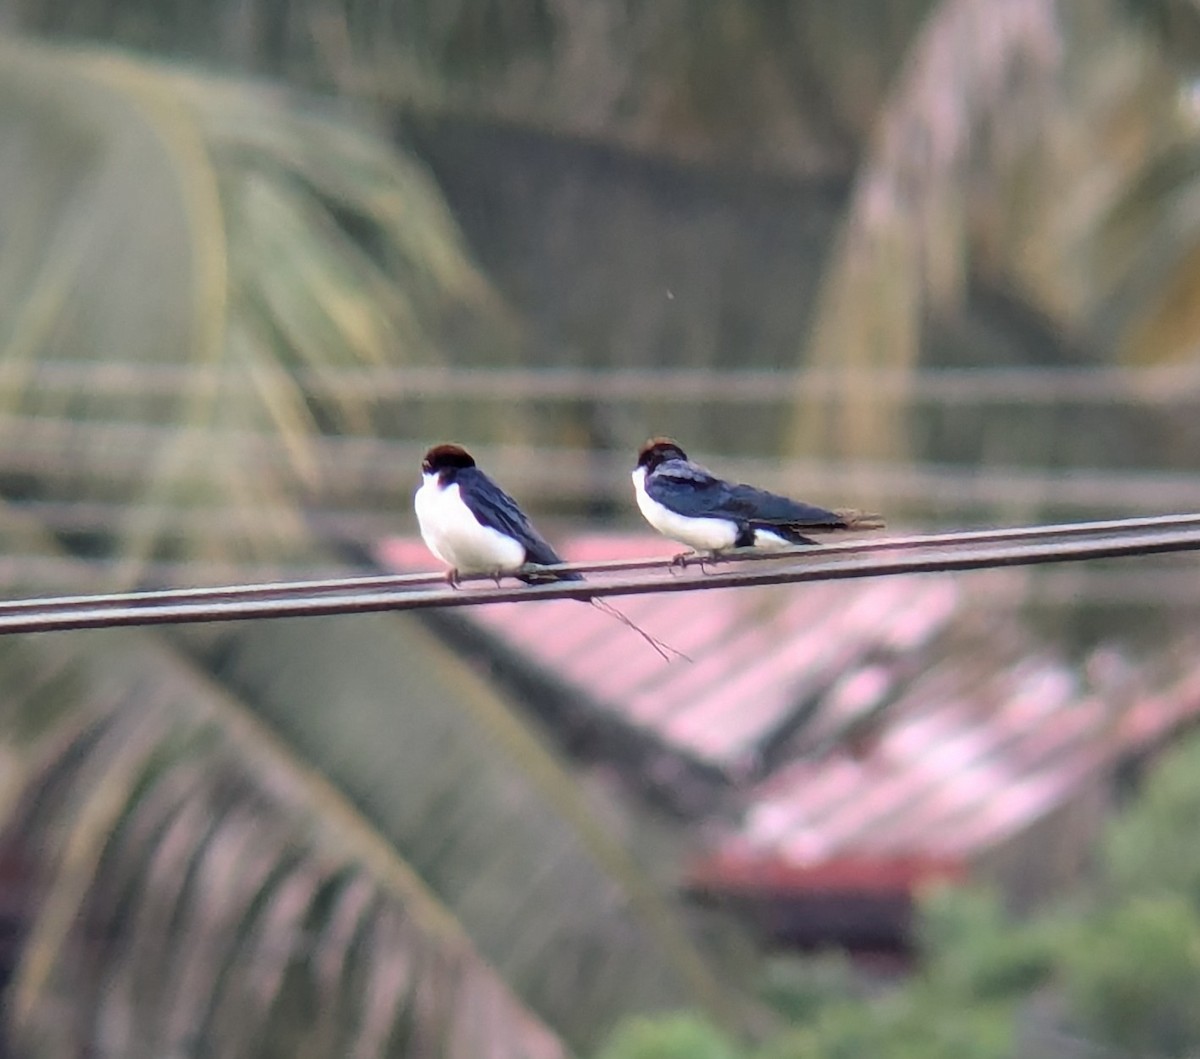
point(376, 466)
point(970, 550)
point(388, 581)
point(380, 581)
point(1162, 385)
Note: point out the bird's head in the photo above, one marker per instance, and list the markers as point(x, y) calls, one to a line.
point(446, 458)
point(659, 450)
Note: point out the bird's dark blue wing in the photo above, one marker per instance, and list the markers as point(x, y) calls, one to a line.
point(690, 490)
point(493, 507)
point(686, 488)
point(760, 506)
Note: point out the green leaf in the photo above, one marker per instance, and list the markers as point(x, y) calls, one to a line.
point(904, 251)
point(196, 875)
point(476, 804)
point(207, 797)
point(243, 238)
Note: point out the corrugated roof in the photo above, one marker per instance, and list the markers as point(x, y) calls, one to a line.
point(901, 720)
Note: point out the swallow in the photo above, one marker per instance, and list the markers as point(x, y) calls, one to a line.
point(474, 526)
point(688, 503)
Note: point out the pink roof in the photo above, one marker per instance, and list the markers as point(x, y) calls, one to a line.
point(979, 736)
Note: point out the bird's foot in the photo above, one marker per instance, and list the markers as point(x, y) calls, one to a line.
point(453, 578)
point(680, 561)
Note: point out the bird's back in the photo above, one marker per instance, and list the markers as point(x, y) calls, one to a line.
point(492, 506)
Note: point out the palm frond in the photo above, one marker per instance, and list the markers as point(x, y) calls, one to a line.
point(231, 829)
point(1147, 270)
point(229, 228)
point(477, 806)
point(788, 86)
point(217, 828)
point(189, 897)
point(903, 248)
point(198, 882)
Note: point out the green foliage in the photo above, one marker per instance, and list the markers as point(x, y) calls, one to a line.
point(196, 881)
point(976, 967)
point(972, 950)
point(1133, 976)
point(910, 1024)
point(1151, 849)
point(798, 987)
point(961, 1003)
point(668, 1037)
point(295, 838)
point(218, 832)
point(677, 76)
point(477, 806)
point(241, 242)
point(1132, 968)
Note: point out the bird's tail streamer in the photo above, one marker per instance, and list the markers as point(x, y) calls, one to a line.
point(665, 650)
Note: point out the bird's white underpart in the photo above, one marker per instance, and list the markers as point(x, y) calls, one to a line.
point(702, 534)
point(769, 541)
point(457, 537)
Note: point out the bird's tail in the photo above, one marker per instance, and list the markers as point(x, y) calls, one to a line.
point(539, 577)
point(841, 520)
point(859, 520)
point(548, 577)
point(665, 650)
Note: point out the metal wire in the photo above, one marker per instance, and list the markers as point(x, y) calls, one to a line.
point(395, 581)
point(1156, 386)
point(361, 466)
point(971, 550)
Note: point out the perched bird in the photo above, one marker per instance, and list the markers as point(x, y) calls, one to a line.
point(687, 503)
point(474, 526)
